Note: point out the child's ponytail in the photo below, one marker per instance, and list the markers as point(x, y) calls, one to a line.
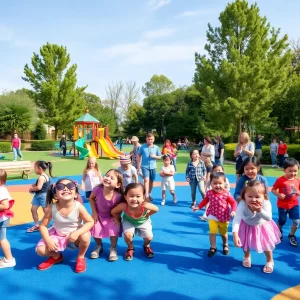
point(50, 194)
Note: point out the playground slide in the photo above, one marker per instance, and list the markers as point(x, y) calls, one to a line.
point(83, 152)
point(92, 150)
point(106, 149)
point(112, 147)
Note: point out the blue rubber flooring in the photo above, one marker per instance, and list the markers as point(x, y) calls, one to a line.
point(179, 270)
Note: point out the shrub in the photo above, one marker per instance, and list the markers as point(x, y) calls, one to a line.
point(42, 145)
point(40, 131)
point(5, 147)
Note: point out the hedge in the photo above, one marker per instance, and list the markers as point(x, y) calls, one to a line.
point(293, 151)
point(42, 145)
point(5, 147)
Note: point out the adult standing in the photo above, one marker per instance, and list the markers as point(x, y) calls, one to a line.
point(274, 152)
point(135, 150)
point(243, 150)
point(219, 150)
point(16, 147)
point(208, 149)
point(282, 152)
point(258, 147)
point(63, 144)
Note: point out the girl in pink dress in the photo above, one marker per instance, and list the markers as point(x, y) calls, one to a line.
point(253, 227)
point(103, 199)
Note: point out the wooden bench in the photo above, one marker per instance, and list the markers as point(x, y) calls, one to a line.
point(16, 167)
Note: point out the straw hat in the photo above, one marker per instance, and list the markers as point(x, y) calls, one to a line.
point(134, 139)
point(125, 160)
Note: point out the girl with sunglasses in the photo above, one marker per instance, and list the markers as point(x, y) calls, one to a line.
point(67, 231)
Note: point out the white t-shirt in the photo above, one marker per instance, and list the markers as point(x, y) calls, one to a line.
point(209, 150)
point(4, 195)
point(128, 175)
point(168, 169)
point(91, 180)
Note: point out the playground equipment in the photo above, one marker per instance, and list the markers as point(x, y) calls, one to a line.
point(90, 140)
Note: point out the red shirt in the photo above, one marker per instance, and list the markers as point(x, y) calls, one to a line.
point(218, 205)
point(16, 142)
point(290, 188)
point(282, 149)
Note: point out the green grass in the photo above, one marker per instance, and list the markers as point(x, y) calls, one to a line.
point(65, 166)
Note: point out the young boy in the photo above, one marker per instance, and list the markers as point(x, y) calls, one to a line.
point(135, 150)
point(146, 160)
point(286, 188)
point(128, 171)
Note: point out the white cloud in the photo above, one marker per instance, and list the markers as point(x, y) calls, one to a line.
point(154, 34)
point(192, 13)
point(156, 4)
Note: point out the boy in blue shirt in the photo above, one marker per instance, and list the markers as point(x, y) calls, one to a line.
point(146, 161)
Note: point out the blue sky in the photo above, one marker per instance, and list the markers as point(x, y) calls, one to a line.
point(119, 40)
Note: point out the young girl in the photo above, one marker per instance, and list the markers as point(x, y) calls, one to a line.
point(136, 218)
point(91, 176)
point(209, 167)
point(195, 174)
point(167, 172)
point(250, 170)
point(127, 170)
point(6, 203)
point(39, 189)
point(174, 156)
point(215, 168)
point(253, 227)
point(103, 199)
point(67, 230)
point(218, 213)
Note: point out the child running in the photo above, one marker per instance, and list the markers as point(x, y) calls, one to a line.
point(218, 213)
point(195, 175)
point(102, 200)
point(253, 227)
point(39, 189)
point(6, 203)
point(67, 231)
point(286, 188)
point(127, 170)
point(167, 172)
point(91, 176)
point(250, 170)
point(136, 218)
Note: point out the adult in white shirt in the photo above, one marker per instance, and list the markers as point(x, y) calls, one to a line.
point(208, 149)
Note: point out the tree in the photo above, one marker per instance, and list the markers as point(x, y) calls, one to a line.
point(114, 94)
point(131, 96)
point(158, 85)
point(134, 119)
point(246, 70)
point(40, 131)
point(54, 86)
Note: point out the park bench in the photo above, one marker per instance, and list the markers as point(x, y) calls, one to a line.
point(16, 167)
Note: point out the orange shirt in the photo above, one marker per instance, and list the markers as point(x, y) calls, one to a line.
point(290, 188)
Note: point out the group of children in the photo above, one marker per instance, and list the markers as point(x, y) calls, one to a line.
point(120, 204)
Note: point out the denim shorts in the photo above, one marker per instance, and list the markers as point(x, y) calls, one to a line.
point(39, 200)
point(293, 215)
point(149, 173)
point(88, 194)
point(3, 226)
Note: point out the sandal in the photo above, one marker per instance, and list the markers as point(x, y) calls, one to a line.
point(129, 254)
point(211, 252)
point(247, 262)
point(225, 251)
point(33, 228)
point(269, 265)
point(148, 252)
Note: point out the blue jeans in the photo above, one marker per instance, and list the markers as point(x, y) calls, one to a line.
point(219, 161)
point(201, 188)
point(17, 152)
point(274, 158)
point(293, 215)
point(281, 160)
point(174, 162)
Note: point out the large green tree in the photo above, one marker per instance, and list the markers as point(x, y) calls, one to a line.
point(54, 86)
point(158, 85)
point(245, 71)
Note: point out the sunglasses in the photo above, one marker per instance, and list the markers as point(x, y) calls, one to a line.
point(61, 186)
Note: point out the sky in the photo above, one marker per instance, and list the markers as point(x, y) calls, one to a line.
point(119, 40)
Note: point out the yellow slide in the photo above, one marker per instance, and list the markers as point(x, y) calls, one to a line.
point(92, 150)
point(106, 149)
point(112, 146)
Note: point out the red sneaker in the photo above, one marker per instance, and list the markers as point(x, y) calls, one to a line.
point(80, 265)
point(148, 252)
point(50, 262)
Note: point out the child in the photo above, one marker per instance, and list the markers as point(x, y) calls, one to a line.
point(250, 170)
point(286, 188)
point(209, 167)
point(136, 218)
point(135, 150)
point(128, 171)
point(218, 212)
point(215, 168)
point(91, 176)
point(253, 227)
point(174, 156)
point(67, 230)
point(39, 189)
point(167, 172)
point(146, 159)
point(6, 203)
point(63, 144)
point(195, 175)
point(102, 200)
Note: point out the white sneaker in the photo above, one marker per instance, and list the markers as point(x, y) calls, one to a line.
point(174, 199)
point(113, 255)
point(14, 160)
point(203, 218)
point(96, 252)
point(4, 263)
point(163, 202)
